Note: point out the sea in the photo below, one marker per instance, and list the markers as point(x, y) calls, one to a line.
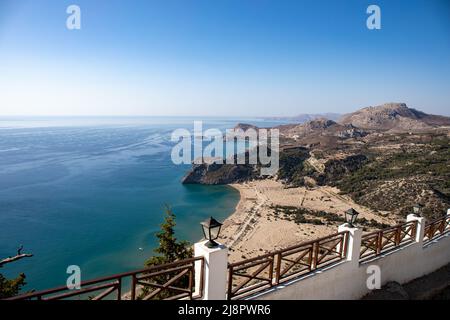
point(91, 192)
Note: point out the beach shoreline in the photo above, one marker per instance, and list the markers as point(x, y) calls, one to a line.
point(254, 228)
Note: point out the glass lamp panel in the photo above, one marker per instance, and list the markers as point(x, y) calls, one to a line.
point(347, 217)
point(215, 232)
point(206, 232)
point(354, 218)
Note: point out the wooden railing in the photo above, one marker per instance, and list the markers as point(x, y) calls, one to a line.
point(165, 282)
point(436, 228)
point(378, 242)
point(177, 280)
point(250, 276)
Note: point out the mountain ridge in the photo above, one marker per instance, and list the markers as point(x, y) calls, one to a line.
point(393, 117)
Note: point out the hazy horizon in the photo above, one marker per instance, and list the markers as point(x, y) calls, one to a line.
point(194, 115)
point(221, 59)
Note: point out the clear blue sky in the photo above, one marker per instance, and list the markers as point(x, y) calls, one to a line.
point(222, 57)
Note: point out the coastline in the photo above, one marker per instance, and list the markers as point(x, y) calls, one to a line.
point(254, 228)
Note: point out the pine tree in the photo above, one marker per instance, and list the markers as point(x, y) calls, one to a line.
point(169, 249)
point(11, 288)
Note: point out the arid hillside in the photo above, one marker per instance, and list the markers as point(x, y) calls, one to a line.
point(394, 117)
point(385, 158)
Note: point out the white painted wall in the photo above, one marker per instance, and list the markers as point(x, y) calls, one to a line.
point(347, 280)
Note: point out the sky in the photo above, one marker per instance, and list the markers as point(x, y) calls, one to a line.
point(222, 57)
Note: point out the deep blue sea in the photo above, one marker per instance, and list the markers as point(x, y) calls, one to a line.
point(90, 191)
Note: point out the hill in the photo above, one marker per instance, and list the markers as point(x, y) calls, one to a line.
point(394, 117)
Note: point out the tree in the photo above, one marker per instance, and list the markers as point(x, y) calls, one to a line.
point(169, 250)
point(12, 287)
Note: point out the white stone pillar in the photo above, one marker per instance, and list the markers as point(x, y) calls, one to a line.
point(448, 216)
point(215, 272)
point(353, 244)
point(420, 231)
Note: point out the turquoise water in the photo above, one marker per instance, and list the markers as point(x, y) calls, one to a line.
point(90, 192)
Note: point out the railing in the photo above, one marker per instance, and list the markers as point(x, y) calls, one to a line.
point(185, 279)
point(378, 242)
point(250, 276)
point(436, 228)
point(165, 282)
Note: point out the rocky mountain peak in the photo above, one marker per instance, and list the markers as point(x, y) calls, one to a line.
point(393, 116)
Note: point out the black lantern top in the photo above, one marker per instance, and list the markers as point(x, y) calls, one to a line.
point(418, 209)
point(350, 216)
point(211, 229)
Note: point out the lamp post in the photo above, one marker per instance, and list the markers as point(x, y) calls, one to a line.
point(211, 229)
point(350, 216)
point(418, 209)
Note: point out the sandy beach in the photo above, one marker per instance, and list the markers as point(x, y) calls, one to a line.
point(254, 228)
